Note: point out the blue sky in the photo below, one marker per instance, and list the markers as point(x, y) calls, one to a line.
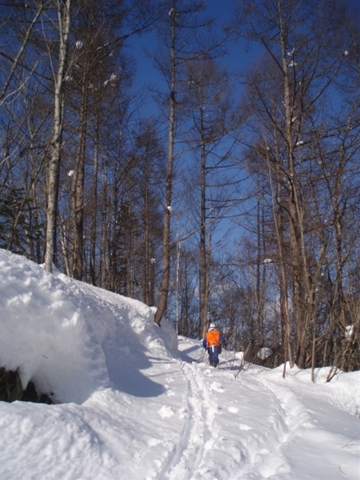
point(240, 53)
point(240, 56)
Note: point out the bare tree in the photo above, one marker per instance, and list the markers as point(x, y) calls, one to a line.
point(303, 61)
point(17, 61)
point(212, 119)
point(148, 178)
point(63, 10)
point(178, 40)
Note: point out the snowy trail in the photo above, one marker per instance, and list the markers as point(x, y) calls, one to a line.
point(206, 449)
point(253, 427)
point(196, 432)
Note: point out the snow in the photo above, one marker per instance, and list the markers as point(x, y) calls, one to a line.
point(134, 402)
point(264, 353)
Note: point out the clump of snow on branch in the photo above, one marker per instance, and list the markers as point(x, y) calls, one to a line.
point(264, 353)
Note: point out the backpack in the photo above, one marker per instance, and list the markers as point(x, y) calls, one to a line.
point(213, 338)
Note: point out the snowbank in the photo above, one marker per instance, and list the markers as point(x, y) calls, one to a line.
point(68, 337)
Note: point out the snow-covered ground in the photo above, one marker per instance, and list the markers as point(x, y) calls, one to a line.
point(130, 405)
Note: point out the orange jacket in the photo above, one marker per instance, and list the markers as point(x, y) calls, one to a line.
point(212, 338)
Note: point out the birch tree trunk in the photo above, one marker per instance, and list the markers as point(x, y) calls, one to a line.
point(64, 22)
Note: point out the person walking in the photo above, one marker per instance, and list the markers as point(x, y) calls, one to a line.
point(212, 342)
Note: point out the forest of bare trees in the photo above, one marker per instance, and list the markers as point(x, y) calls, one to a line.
point(223, 190)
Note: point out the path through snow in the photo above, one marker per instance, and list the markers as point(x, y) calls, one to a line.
point(259, 425)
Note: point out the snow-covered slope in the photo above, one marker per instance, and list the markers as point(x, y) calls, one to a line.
point(130, 406)
point(69, 337)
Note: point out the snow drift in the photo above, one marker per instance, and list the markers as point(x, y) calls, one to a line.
point(69, 338)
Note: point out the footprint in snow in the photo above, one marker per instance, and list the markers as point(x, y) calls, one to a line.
point(233, 409)
point(216, 386)
point(152, 442)
point(243, 426)
point(183, 413)
point(166, 412)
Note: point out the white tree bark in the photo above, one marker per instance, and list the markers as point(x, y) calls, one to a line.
point(64, 22)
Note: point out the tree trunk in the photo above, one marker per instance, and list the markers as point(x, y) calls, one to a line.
point(93, 234)
point(260, 280)
point(203, 267)
point(78, 191)
point(64, 18)
point(169, 180)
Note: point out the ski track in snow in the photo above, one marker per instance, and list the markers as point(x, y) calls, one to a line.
point(280, 424)
point(205, 452)
point(196, 432)
point(208, 451)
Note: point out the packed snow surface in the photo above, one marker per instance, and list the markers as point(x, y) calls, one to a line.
point(134, 402)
